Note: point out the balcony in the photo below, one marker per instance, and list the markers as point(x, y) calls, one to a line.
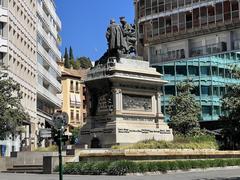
point(169, 56)
point(208, 49)
point(3, 45)
point(52, 11)
point(49, 77)
point(48, 95)
point(170, 29)
point(47, 20)
point(48, 40)
point(48, 59)
point(3, 15)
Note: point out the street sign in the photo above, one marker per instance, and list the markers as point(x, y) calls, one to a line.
point(60, 120)
point(45, 133)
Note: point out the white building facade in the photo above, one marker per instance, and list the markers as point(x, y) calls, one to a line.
point(48, 53)
point(29, 48)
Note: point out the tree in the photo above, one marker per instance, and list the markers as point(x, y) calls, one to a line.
point(184, 111)
point(85, 62)
point(231, 120)
point(75, 135)
point(66, 59)
point(71, 57)
point(12, 113)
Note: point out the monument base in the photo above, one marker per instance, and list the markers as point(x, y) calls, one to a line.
point(125, 104)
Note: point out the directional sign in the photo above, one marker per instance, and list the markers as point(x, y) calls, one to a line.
point(45, 133)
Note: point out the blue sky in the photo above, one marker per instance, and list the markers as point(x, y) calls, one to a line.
point(84, 23)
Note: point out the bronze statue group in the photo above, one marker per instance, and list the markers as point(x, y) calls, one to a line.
point(121, 40)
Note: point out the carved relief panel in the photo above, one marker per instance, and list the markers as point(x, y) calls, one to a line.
point(137, 103)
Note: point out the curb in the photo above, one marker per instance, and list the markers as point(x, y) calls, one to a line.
point(182, 171)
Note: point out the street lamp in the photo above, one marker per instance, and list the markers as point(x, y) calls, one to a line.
point(60, 122)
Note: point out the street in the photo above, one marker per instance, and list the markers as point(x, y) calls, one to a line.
point(213, 174)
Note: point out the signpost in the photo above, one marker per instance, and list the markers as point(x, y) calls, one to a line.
point(60, 122)
point(45, 133)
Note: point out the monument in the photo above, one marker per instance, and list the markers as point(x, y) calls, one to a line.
point(124, 95)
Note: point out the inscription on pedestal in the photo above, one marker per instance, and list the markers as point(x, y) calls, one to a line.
point(137, 103)
point(144, 131)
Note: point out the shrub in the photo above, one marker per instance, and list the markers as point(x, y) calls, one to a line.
point(121, 168)
point(124, 167)
point(99, 168)
point(52, 148)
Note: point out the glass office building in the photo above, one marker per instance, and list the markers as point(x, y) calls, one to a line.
point(194, 40)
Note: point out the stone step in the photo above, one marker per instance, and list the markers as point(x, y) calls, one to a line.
point(28, 166)
point(24, 171)
point(32, 169)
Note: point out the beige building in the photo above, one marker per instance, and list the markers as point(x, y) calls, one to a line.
point(74, 95)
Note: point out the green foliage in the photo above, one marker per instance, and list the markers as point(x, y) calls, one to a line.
point(121, 167)
point(70, 61)
point(12, 113)
point(184, 111)
point(179, 142)
point(124, 167)
point(71, 58)
point(47, 149)
point(85, 62)
point(75, 135)
point(66, 59)
point(231, 119)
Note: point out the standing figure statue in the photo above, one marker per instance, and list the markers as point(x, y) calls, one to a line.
point(121, 40)
point(117, 44)
point(129, 33)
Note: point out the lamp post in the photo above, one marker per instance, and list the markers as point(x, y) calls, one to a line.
point(60, 122)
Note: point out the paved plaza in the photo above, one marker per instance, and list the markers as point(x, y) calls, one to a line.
point(216, 174)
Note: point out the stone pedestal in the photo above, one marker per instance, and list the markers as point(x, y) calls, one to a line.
point(124, 104)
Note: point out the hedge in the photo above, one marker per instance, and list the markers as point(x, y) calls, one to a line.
point(124, 167)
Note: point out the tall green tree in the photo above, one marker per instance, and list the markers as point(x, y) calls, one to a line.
point(66, 59)
point(231, 118)
point(184, 111)
point(71, 58)
point(85, 62)
point(12, 113)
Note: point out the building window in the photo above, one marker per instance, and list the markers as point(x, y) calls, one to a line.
point(77, 116)
point(77, 87)
point(72, 100)
point(181, 70)
point(84, 91)
point(84, 117)
point(84, 104)
point(71, 86)
point(77, 100)
point(193, 70)
point(72, 115)
point(170, 90)
point(169, 70)
point(1, 59)
point(206, 90)
point(207, 110)
point(205, 70)
point(215, 91)
point(1, 29)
